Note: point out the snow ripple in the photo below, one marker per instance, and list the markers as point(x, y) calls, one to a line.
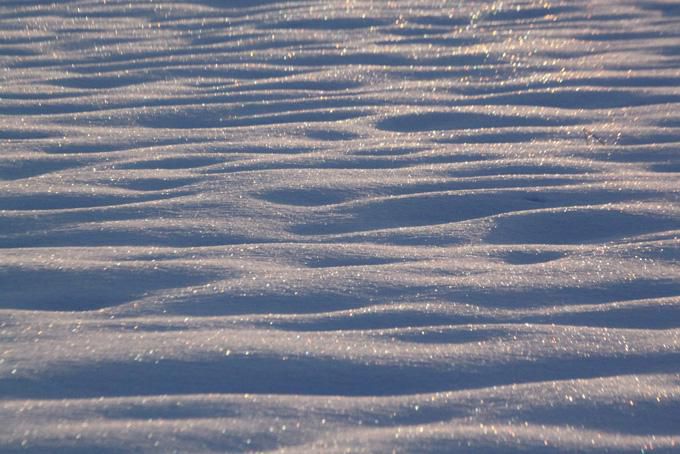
point(327, 226)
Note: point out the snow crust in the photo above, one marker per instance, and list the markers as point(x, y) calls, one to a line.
point(329, 226)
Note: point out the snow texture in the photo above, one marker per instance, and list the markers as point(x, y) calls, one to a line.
point(339, 225)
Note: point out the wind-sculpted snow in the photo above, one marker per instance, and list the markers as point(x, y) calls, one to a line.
point(325, 226)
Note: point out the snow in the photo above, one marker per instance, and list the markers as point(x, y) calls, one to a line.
point(330, 226)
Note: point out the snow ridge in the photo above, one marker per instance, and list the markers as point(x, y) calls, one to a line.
point(324, 226)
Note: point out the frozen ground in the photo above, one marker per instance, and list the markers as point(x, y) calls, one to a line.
point(302, 225)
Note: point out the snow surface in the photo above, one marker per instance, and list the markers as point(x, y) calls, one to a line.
point(427, 226)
